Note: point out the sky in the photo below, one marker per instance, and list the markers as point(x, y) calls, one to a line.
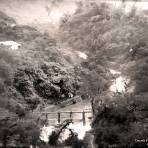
point(46, 14)
point(38, 13)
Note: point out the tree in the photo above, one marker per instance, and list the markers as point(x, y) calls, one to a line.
point(19, 131)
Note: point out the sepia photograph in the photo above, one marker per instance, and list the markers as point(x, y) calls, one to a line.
point(73, 73)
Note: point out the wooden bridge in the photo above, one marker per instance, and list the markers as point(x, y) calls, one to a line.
point(54, 118)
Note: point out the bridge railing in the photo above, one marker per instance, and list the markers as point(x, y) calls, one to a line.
point(58, 117)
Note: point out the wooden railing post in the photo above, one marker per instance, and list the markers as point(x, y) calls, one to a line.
point(59, 117)
point(46, 122)
point(71, 115)
point(83, 118)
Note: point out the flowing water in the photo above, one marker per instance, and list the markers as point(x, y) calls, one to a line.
point(77, 125)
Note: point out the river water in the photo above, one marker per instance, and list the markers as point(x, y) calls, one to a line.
point(77, 125)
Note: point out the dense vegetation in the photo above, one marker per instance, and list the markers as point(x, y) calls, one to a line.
point(107, 34)
point(30, 77)
point(38, 74)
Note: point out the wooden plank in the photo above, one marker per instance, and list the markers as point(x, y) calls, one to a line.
point(66, 112)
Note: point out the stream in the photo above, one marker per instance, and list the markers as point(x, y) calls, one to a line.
point(77, 125)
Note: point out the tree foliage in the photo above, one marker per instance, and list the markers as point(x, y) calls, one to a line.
point(107, 34)
point(32, 75)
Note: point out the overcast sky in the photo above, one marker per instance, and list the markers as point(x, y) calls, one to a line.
point(38, 12)
point(42, 13)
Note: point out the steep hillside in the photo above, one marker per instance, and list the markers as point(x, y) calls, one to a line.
point(33, 72)
point(116, 40)
point(96, 47)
